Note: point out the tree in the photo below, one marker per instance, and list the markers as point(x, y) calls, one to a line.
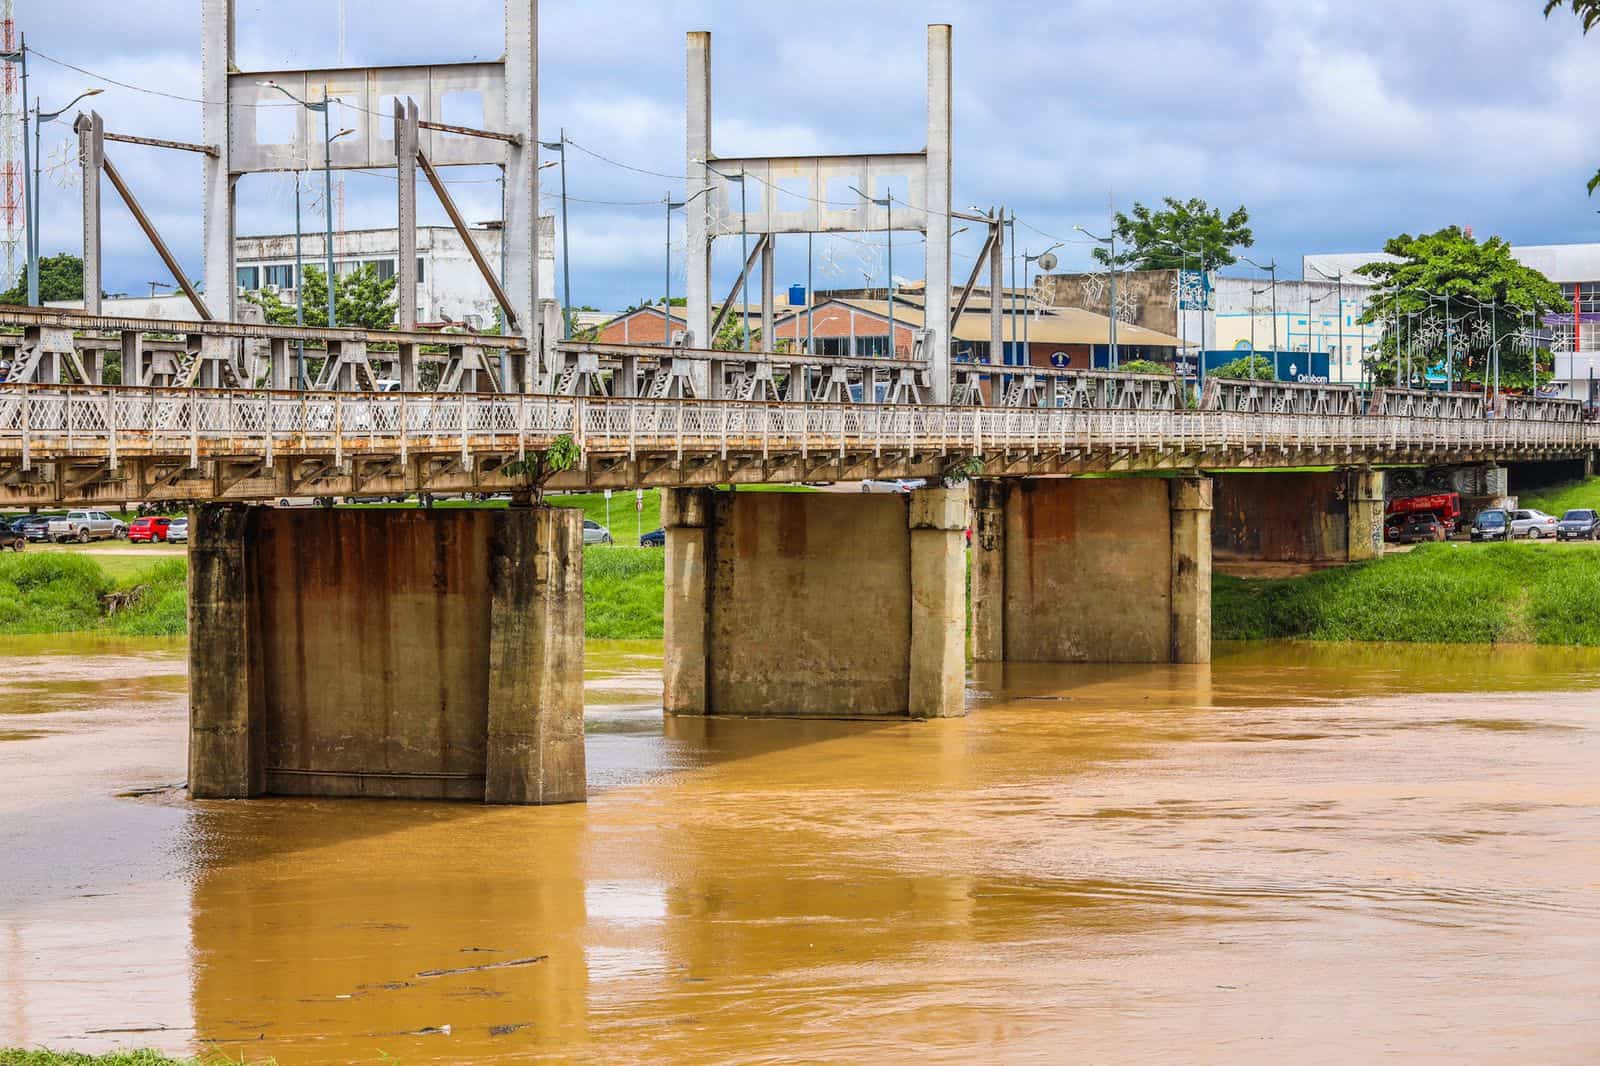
point(1145, 366)
point(1476, 277)
point(1246, 368)
point(1586, 10)
point(1149, 236)
point(60, 278)
point(361, 299)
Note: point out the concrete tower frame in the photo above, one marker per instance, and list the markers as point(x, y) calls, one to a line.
point(507, 89)
point(795, 198)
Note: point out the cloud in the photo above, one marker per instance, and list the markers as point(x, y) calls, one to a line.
point(1337, 124)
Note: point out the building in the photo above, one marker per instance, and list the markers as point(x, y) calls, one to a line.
point(449, 285)
point(1574, 339)
point(1062, 337)
point(644, 325)
point(1319, 318)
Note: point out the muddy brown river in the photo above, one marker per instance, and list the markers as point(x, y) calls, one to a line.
point(1299, 854)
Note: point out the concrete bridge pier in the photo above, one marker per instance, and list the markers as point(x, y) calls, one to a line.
point(1092, 570)
point(1330, 516)
point(413, 654)
point(820, 605)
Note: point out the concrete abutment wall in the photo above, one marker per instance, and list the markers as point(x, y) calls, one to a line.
point(418, 654)
point(1332, 516)
point(1092, 570)
point(815, 604)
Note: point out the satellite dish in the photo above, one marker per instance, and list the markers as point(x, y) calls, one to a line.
point(1047, 261)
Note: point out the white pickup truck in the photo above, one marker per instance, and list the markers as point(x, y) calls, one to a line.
point(84, 526)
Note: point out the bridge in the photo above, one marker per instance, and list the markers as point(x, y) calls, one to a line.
point(439, 653)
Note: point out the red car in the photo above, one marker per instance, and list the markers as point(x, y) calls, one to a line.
point(148, 529)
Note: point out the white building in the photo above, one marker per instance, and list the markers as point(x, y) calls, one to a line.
point(448, 281)
point(1321, 318)
point(1574, 340)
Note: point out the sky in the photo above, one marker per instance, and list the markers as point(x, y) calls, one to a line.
point(1337, 125)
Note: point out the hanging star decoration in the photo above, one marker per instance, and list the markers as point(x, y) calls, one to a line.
point(1127, 306)
point(831, 268)
point(1094, 287)
point(64, 165)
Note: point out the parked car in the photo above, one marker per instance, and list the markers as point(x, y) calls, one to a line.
point(11, 536)
point(178, 531)
point(34, 526)
point(899, 484)
point(595, 533)
point(1413, 528)
point(1578, 524)
point(84, 526)
point(149, 529)
point(1533, 524)
point(1493, 524)
point(656, 538)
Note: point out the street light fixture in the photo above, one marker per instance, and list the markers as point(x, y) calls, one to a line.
point(1271, 268)
point(887, 203)
point(39, 119)
point(666, 308)
point(744, 246)
point(1111, 303)
point(1047, 262)
point(566, 248)
point(325, 107)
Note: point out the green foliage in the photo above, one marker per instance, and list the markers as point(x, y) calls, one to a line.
point(1557, 499)
point(60, 278)
point(1437, 593)
point(50, 592)
point(1190, 224)
point(162, 606)
point(145, 1057)
point(624, 593)
point(1452, 263)
point(730, 338)
point(1145, 366)
point(361, 299)
point(1589, 12)
point(540, 466)
point(1246, 368)
point(621, 521)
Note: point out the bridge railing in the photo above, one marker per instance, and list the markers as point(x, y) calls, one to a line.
point(40, 422)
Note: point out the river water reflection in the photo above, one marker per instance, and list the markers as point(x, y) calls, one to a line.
point(1316, 854)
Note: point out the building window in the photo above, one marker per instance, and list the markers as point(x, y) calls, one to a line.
point(280, 276)
point(249, 278)
point(383, 268)
point(420, 277)
point(349, 266)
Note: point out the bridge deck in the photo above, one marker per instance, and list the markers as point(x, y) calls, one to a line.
point(64, 443)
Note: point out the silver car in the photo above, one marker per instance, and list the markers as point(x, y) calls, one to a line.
point(595, 533)
point(178, 531)
point(1533, 524)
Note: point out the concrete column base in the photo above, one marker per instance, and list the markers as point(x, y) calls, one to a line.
point(815, 605)
point(1093, 570)
point(1364, 507)
point(415, 654)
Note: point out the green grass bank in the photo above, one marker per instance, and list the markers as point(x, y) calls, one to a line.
point(1439, 593)
point(19, 1057)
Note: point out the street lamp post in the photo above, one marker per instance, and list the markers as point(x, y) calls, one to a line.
point(1338, 279)
point(325, 107)
point(887, 203)
point(566, 247)
point(1111, 306)
point(1272, 269)
point(666, 314)
point(40, 117)
point(20, 57)
point(744, 249)
point(1047, 261)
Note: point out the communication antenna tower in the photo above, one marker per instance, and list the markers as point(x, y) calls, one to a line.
point(12, 213)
